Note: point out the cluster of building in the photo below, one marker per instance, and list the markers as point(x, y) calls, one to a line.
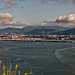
point(36, 37)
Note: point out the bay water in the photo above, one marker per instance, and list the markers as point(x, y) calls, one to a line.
point(51, 58)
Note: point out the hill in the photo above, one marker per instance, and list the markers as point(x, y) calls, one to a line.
point(67, 32)
point(10, 31)
point(29, 28)
point(33, 30)
point(41, 31)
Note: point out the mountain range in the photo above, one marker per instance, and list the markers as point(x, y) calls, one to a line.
point(35, 30)
point(67, 32)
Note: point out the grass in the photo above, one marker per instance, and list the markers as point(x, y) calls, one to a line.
point(4, 70)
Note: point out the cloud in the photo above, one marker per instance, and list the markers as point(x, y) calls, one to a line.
point(69, 18)
point(65, 21)
point(5, 18)
point(6, 21)
point(54, 23)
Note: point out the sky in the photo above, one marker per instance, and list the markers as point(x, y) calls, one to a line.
point(21, 13)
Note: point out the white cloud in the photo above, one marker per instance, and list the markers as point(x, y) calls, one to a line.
point(5, 16)
point(65, 21)
point(69, 18)
point(64, 24)
point(6, 21)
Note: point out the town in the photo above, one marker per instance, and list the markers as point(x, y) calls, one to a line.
point(22, 37)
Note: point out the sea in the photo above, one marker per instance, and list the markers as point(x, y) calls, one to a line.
point(51, 58)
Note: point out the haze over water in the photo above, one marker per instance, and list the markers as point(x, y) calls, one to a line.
point(48, 57)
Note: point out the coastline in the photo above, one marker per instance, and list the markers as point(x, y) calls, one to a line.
point(39, 40)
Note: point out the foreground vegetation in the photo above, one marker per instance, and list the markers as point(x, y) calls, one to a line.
point(4, 70)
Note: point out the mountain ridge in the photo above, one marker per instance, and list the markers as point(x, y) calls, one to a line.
point(67, 32)
point(32, 29)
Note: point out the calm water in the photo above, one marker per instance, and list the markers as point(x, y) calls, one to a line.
point(52, 58)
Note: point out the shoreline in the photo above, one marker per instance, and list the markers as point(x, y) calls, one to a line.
point(65, 41)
